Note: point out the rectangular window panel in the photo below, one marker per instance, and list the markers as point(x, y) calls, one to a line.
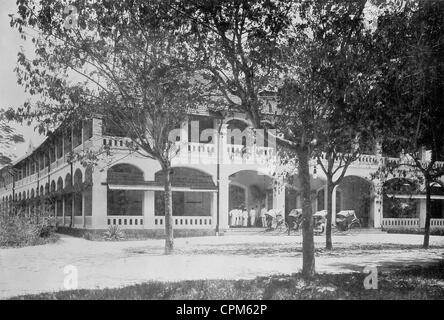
point(87, 129)
point(59, 142)
point(185, 203)
point(77, 135)
point(125, 203)
point(67, 141)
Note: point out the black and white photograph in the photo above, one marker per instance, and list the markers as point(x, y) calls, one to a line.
point(214, 150)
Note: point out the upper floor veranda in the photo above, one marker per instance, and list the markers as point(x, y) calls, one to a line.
point(201, 139)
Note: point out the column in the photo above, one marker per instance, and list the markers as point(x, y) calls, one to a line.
point(377, 205)
point(148, 210)
point(184, 155)
point(223, 203)
point(63, 210)
point(333, 205)
point(214, 210)
point(325, 197)
point(83, 210)
point(378, 190)
point(99, 201)
point(422, 212)
point(279, 197)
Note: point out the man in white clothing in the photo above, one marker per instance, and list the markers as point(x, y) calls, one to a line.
point(252, 217)
point(263, 217)
point(245, 218)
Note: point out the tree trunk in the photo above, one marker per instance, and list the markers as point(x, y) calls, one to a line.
point(308, 258)
point(425, 245)
point(168, 195)
point(328, 242)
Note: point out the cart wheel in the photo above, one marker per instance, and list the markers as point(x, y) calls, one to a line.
point(355, 225)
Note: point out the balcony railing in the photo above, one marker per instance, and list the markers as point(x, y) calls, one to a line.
point(185, 222)
point(125, 221)
point(437, 223)
point(400, 223)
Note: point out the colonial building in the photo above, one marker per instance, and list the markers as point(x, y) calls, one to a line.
point(215, 171)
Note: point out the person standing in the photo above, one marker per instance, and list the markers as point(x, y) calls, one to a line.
point(245, 217)
point(236, 217)
point(252, 217)
point(263, 217)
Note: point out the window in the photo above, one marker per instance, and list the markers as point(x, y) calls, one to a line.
point(111, 128)
point(87, 129)
point(204, 123)
point(125, 174)
point(41, 161)
point(52, 155)
point(68, 205)
point(67, 141)
point(59, 205)
point(32, 165)
point(77, 135)
point(321, 199)
point(46, 157)
point(59, 142)
point(125, 203)
point(185, 203)
point(78, 203)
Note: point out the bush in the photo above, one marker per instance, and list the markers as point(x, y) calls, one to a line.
point(433, 231)
point(114, 234)
point(18, 230)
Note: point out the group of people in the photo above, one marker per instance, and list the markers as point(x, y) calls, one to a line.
point(242, 218)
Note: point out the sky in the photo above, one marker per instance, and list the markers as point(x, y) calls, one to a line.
point(12, 94)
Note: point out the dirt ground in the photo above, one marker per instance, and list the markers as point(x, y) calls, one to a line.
point(115, 264)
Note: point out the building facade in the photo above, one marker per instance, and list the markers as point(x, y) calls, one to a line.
point(217, 169)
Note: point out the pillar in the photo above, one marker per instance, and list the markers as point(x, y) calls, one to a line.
point(279, 197)
point(99, 201)
point(184, 155)
point(422, 212)
point(83, 209)
point(333, 205)
point(148, 209)
point(223, 203)
point(376, 208)
point(325, 197)
point(214, 209)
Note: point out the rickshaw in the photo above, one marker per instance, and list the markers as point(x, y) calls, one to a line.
point(346, 220)
point(319, 222)
point(294, 220)
point(275, 220)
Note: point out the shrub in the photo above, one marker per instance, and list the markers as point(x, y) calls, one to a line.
point(114, 234)
point(433, 231)
point(18, 229)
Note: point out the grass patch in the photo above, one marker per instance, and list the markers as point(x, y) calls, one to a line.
point(410, 283)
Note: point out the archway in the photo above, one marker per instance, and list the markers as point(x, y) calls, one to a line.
point(397, 198)
point(250, 191)
point(59, 199)
point(237, 196)
point(67, 198)
point(355, 194)
point(87, 193)
point(77, 194)
point(293, 196)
